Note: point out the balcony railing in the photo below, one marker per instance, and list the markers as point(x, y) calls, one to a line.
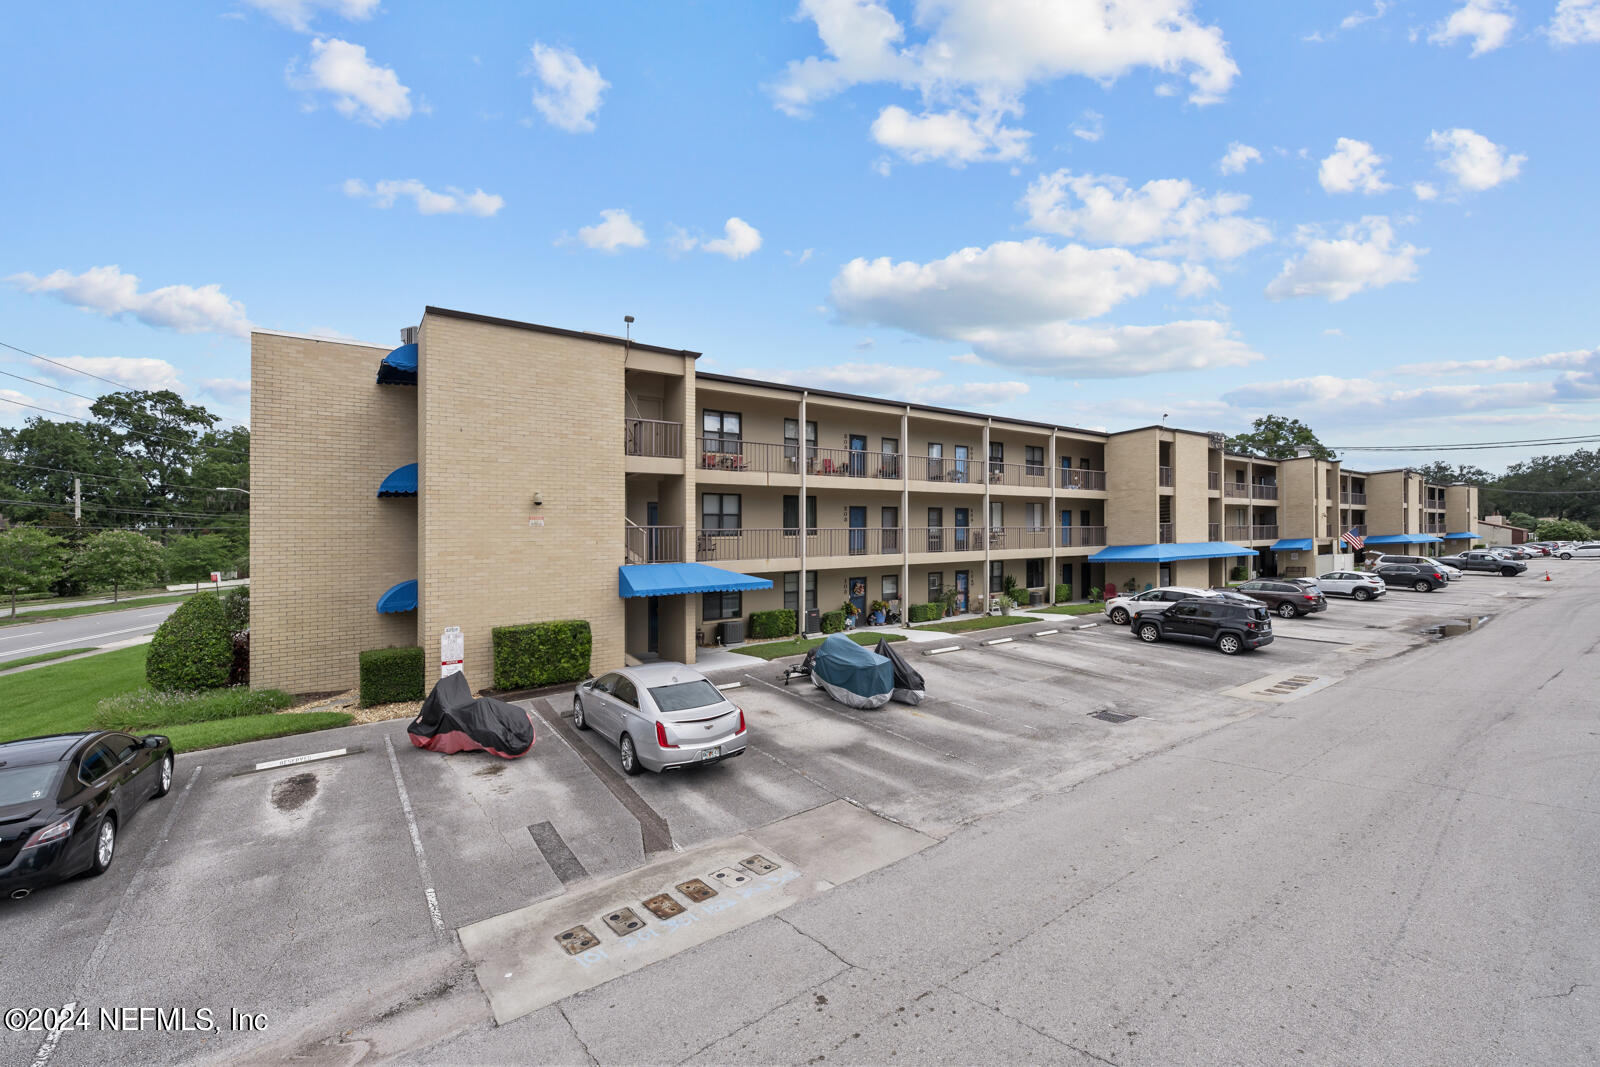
point(652, 544)
point(852, 463)
point(1214, 531)
point(1034, 475)
point(1236, 489)
point(1083, 479)
point(1433, 527)
point(938, 469)
point(1434, 505)
point(1252, 533)
point(946, 538)
point(1354, 499)
point(1165, 533)
point(716, 545)
point(1264, 491)
point(1082, 537)
point(1164, 477)
point(1214, 480)
point(733, 454)
point(1019, 537)
point(652, 437)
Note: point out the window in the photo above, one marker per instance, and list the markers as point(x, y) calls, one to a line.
point(889, 466)
point(686, 696)
point(719, 514)
point(715, 606)
point(97, 764)
point(722, 430)
point(791, 592)
point(811, 590)
point(997, 458)
point(1033, 456)
point(791, 438)
point(607, 683)
point(935, 461)
point(935, 529)
point(123, 747)
point(891, 588)
point(1035, 573)
point(890, 524)
point(1035, 516)
point(935, 585)
point(791, 515)
point(997, 512)
point(997, 575)
point(626, 692)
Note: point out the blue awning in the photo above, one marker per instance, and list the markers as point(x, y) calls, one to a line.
point(1457, 536)
point(668, 579)
point(1402, 539)
point(1168, 553)
point(399, 367)
point(1292, 544)
point(402, 597)
point(402, 481)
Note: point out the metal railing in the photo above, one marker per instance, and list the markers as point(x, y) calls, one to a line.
point(1024, 474)
point(1434, 505)
point(1213, 531)
point(945, 538)
point(1264, 490)
point(1236, 489)
point(1213, 480)
point(1252, 533)
point(652, 544)
point(734, 454)
point(715, 545)
point(1083, 479)
point(1433, 527)
point(1357, 499)
point(938, 469)
point(852, 463)
point(1019, 537)
point(1082, 537)
point(1164, 477)
point(652, 437)
point(1165, 533)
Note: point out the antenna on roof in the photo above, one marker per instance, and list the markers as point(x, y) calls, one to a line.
point(627, 326)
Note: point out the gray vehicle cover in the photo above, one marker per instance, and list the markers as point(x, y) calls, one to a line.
point(908, 685)
point(852, 675)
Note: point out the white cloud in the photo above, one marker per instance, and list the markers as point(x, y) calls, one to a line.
point(1197, 280)
point(137, 372)
point(572, 89)
point(1363, 256)
point(15, 411)
point(1475, 162)
point(110, 292)
point(1237, 158)
point(1579, 359)
point(1333, 331)
point(297, 14)
point(1487, 22)
point(1353, 167)
point(1014, 303)
point(948, 137)
point(361, 89)
point(452, 201)
point(1169, 214)
point(919, 385)
point(1425, 190)
point(615, 230)
point(802, 257)
point(1091, 127)
point(739, 240)
point(1575, 22)
point(1356, 18)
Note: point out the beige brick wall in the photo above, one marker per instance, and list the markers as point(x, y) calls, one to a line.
point(1131, 495)
point(323, 546)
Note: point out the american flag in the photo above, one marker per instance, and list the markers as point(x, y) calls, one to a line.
point(1353, 538)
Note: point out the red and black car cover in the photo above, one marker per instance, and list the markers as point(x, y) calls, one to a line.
point(452, 720)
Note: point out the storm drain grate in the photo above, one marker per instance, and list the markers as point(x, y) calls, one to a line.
point(696, 890)
point(1288, 685)
point(1107, 715)
point(623, 921)
point(663, 906)
point(576, 940)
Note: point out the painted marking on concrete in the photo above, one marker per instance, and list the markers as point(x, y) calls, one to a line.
point(1043, 633)
point(998, 641)
point(654, 833)
point(731, 685)
point(416, 844)
point(1086, 626)
point(938, 651)
point(47, 1047)
point(561, 859)
point(312, 757)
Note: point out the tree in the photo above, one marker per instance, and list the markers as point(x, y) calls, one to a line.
point(1522, 519)
point(1275, 437)
point(158, 434)
point(1442, 473)
point(118, 558)
point(1563, 530)
point(29, 559)
point(192, 559)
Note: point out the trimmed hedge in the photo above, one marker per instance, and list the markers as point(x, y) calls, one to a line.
point(541, 653)
point(833, 622)
point(776, 623)
point(925, 612)
point(392, 675)
point(193, 648)
point(152, 709)
point(1063, 592)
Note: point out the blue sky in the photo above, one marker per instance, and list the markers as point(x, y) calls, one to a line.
point(1371, 216)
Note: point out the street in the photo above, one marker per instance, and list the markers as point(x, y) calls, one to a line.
point(85, 631)
point(1376, 864)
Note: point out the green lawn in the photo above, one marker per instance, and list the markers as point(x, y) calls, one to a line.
point(982, 622)
point(63, 699)
point(90, 609)
point(1075, 609)
point(797, 645)
point(42, 657)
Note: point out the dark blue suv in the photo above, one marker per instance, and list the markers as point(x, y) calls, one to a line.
point(1233, 625)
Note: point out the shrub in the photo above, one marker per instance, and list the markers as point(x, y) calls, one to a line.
point(1238, 574)
point(1063, 592)
point(1094, 593)
point(193, 648)
point(153, 709)
point(541, 653)
point(925, 612)
point(947, 600)
point(237, 604)
point(1005, 603)
point(776, 623)
point(833, 622)
point(392, 675)
point(1011, 589)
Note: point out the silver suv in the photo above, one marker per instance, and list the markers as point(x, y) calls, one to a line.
point(1450, 571)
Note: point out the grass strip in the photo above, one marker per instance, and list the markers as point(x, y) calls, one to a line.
point(195, 736)
point(43, 657)
point(1074, 609)
point(983, 622)
point(797, 645)
point(61, 698)
point(146, 710)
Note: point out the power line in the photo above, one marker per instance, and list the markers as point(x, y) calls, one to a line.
point(128, 511)
point(128, 433)
point(67, 366)
point(1531, 442)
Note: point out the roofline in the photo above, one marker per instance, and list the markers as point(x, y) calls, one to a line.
point(1160, 426)
point(603, 338)
point(352, 342)
point(788, 388)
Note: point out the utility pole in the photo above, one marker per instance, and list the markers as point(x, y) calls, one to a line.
point(77, 501)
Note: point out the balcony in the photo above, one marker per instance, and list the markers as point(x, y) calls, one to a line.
point(1434, 505)
point(1252, 533)
point(852, 463)
point(652, 437)
point(736, 454)
point(1007, 537)
point(1166, 534)
point(1236, 489)
point(1264, 491)
point(715, 546)
point(1082, 537)
point(1213, 480)
point(1433, 527)
point(1083, 479)
point(1214, 531)
point(1358, 500)
point(938, 469)
point(946, 538)
point(1028, 475)
point(652, 544)
point(1164, 477)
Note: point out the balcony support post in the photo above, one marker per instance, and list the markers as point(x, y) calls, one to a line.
point(1052, 520)
point(988, 518)
point(905, 515)
point(804, 529)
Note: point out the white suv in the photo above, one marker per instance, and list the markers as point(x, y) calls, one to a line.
point(1119, 609)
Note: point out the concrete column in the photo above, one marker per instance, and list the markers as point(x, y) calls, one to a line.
point(1052, 521)
point(905, 514)
point(804, 459)
point(987, 533)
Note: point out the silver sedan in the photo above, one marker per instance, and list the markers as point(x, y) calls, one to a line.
point(661, 717)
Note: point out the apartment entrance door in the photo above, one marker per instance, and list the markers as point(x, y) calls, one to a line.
point(858, 530)
point(858, 456)
point(961, 463)
point(1166, 575)
point(961, 591)
point(963, 520)
point(858, 594)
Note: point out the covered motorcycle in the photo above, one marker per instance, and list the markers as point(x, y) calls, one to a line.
point(453, 720)
point(851, 674)
point(908, 685)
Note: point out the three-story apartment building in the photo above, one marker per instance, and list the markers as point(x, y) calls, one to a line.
point(489, 472)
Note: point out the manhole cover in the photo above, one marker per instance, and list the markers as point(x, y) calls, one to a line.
point(759, 864)
point(696, 890)
point(576, 940)
point(624, 921)
point(1111, 716)
point(729, 877)
point(663, 906)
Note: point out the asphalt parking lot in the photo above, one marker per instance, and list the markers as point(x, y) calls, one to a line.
point(326, 894)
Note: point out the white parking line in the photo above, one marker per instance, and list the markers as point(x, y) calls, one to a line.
point(416, 843)
point(312, 757)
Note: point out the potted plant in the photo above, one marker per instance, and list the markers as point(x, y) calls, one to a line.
point(879, 609)
point(948, 599)
point(850, 613)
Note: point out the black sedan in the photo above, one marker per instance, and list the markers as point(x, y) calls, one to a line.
point(64, 799)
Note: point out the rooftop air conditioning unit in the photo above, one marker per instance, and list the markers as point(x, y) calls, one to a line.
point(1219, 441)
point(408, 334)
